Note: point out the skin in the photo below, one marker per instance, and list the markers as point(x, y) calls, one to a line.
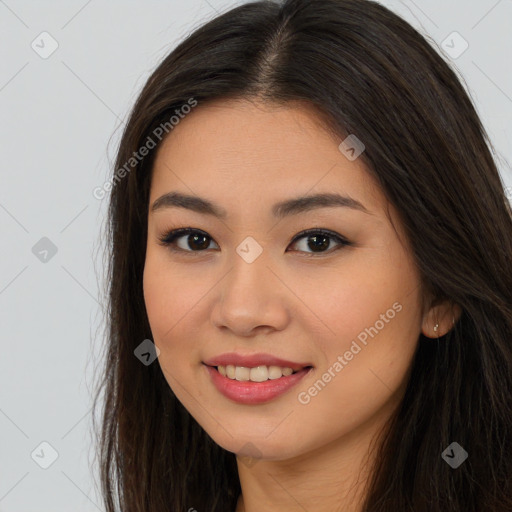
point(291, 302)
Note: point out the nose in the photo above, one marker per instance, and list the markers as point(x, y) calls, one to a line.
point(251, 299)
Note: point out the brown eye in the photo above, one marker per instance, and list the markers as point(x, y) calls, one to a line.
point(194, 240)
point(197, 241)
point(319, 241)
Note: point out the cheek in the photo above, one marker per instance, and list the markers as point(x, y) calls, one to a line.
point(355, 299)
point(370, 320)
point(169, 298)
point(169, 294)
point(364, 366)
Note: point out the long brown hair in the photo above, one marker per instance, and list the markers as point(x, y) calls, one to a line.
point(371, 74)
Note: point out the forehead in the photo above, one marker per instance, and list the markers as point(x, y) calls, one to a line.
point(240, 151)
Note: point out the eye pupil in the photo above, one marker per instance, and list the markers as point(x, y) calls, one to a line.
point(196, 236)
point(317, 245)
point(318, 241)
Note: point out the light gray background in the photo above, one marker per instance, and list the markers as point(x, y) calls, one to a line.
point(61, 120)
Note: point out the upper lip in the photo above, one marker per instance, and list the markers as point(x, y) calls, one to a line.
point(253, 360)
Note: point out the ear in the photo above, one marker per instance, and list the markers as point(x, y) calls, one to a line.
point(444, 314)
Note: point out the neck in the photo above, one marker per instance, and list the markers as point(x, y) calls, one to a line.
point(331, 477)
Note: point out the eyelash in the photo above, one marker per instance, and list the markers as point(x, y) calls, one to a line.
point(168, 239)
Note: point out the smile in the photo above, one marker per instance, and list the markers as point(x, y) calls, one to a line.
point(255, 385)
point(257, 374)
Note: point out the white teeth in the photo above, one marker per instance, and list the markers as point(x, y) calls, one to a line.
point(274, 372)
point(256, 374)
point(242, 373)
point(230, 371)
point(259, 374)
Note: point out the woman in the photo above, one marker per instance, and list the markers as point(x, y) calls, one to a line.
point(309, 230)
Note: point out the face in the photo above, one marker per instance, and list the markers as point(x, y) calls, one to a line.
point(340, 307)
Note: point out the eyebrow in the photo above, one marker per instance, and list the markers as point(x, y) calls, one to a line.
point(279, 210)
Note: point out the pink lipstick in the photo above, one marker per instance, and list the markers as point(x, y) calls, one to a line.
point(275, 373)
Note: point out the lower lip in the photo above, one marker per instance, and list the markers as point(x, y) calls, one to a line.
point(252, 393)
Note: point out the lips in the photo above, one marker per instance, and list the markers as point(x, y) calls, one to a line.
point(254, 360)
point(254, 393)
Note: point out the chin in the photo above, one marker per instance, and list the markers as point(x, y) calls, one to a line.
point(257, 445)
